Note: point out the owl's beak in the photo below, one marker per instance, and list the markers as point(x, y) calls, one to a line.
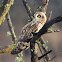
point(35, 19)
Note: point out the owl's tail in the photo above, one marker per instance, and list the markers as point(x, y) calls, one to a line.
point(20, 47)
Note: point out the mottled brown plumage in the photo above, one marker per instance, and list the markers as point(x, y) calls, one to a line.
point(26, 33)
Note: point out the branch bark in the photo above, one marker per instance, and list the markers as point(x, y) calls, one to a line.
point(5, 8)
point(6, 49)
point(34, 52)
point(11, 28)
point(44, 54)
point(44, 6)
point(28, 8)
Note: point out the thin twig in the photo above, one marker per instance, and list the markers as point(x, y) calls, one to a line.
point(50, 14)
point(44, 6)
point(44, 55)
point(11, 28)
point(54, 31)
point(27, 8)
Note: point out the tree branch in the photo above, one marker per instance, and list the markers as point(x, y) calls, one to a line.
point(53, 31)
point(11, 28)
point(44, 29)
point(34, 52)
point(50, 14)
point(44, 55)
point(27, 8)
point(4, 9)
point(44, 6)
point(6, 49)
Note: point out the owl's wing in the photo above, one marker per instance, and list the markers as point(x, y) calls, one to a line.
point(26, 32)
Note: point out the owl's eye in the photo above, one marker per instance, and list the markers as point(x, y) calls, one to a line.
point(42, 16)
point(39, 16)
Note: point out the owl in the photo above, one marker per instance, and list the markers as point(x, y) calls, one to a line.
point(27, 32)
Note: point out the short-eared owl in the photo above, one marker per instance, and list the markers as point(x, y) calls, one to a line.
point(27, 32)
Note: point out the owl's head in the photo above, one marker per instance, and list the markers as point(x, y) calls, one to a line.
point(40, 16)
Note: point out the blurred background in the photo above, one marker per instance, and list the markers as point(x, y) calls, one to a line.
point(20, 17)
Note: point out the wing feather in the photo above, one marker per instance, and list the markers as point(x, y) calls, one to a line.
point(26, 32)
